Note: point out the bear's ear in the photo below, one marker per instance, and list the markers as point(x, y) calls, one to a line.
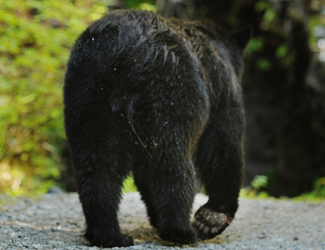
point(241, 36)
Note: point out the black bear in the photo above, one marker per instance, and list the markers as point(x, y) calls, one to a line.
point(161, 99)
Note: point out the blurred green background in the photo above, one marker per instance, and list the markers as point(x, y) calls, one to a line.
point(35, 41)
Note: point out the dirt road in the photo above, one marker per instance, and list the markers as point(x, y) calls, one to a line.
point(56, 222)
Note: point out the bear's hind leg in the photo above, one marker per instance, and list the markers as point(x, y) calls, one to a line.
point(173, 190)
point(219, 162)
point(166, 183)
point(99, 173)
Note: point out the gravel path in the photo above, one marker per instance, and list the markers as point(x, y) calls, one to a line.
point(56, 222)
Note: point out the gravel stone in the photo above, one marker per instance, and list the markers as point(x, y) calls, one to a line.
point(56, 222)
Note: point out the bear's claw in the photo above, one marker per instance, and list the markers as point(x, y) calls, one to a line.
point(208, 223)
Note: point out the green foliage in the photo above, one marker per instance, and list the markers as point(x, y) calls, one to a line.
point(263, 64)
point(256, 190)
point(316, 22)
point(269, 12)
point(256, 48)
point(36, 37)
point(318, 194)
point(260, 181)
point(128, 185)
point(282, 51)
point(232, 17)
point(254, 45)
point(140, 4)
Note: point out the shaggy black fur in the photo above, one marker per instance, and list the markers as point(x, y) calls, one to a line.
point(160, 98)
